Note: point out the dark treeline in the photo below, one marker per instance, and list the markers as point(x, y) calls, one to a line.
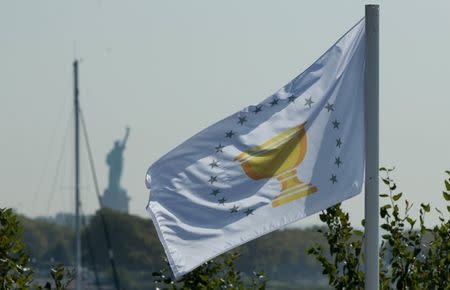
point(281, 254)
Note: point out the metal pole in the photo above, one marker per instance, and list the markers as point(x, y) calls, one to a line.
point(372, 133)
point(77, 178)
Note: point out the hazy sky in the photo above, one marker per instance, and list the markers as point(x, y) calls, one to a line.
point(168, 69)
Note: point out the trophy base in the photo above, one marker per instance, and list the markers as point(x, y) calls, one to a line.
point(292, 188)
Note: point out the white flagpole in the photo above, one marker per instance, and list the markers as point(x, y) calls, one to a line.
point(372, 131)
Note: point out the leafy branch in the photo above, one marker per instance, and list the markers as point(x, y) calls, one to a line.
point(412, 255)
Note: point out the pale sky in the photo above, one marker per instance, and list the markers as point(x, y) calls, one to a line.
point(168, 69)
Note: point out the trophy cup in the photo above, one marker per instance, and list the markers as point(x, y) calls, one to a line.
point(278, 157)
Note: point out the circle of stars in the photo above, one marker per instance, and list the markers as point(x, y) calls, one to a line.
point(242, 120)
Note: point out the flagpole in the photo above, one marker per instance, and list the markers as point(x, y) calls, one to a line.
point(77, 179)
point(372, 132)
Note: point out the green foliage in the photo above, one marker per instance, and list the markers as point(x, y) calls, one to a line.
point(138, 251)
point(411, 257)
point(214, 274)
point(14, 260)
point(345, 247)
point(134, 241)
point(46, 241)
point(282, 255)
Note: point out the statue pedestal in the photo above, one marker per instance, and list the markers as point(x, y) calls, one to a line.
point(116, 199)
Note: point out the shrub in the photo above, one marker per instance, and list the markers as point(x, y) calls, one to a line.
point(412, 255)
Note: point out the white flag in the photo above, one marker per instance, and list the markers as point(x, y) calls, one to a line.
point(297, 152)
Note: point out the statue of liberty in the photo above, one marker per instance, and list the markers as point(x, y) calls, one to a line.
point(114, 196)
point(114, 160)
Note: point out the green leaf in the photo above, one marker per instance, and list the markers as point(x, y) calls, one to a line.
point(426, 207)
point(386, 227)
point(358, 233)
point(410, 221)
point(312, 251)
point(447, 185)
point(448, 208)
point(448, 172)
point(407, 205)
point(383, 212)
point(446, 195)
point(386, 181)
point(384, 195)
point(397, 196)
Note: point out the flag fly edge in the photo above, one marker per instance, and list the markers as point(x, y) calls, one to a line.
point(179, 273)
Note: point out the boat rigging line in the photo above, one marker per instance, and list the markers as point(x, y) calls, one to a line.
point(58, 166)
point(97, 191)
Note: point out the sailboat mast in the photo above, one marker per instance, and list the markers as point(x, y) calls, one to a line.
point(77, 178)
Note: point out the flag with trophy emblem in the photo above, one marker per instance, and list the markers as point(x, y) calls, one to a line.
point(297, 152)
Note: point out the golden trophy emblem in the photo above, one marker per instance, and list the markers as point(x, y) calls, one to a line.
point(279, 157)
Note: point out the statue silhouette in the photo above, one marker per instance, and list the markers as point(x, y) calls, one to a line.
point(114, 160)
